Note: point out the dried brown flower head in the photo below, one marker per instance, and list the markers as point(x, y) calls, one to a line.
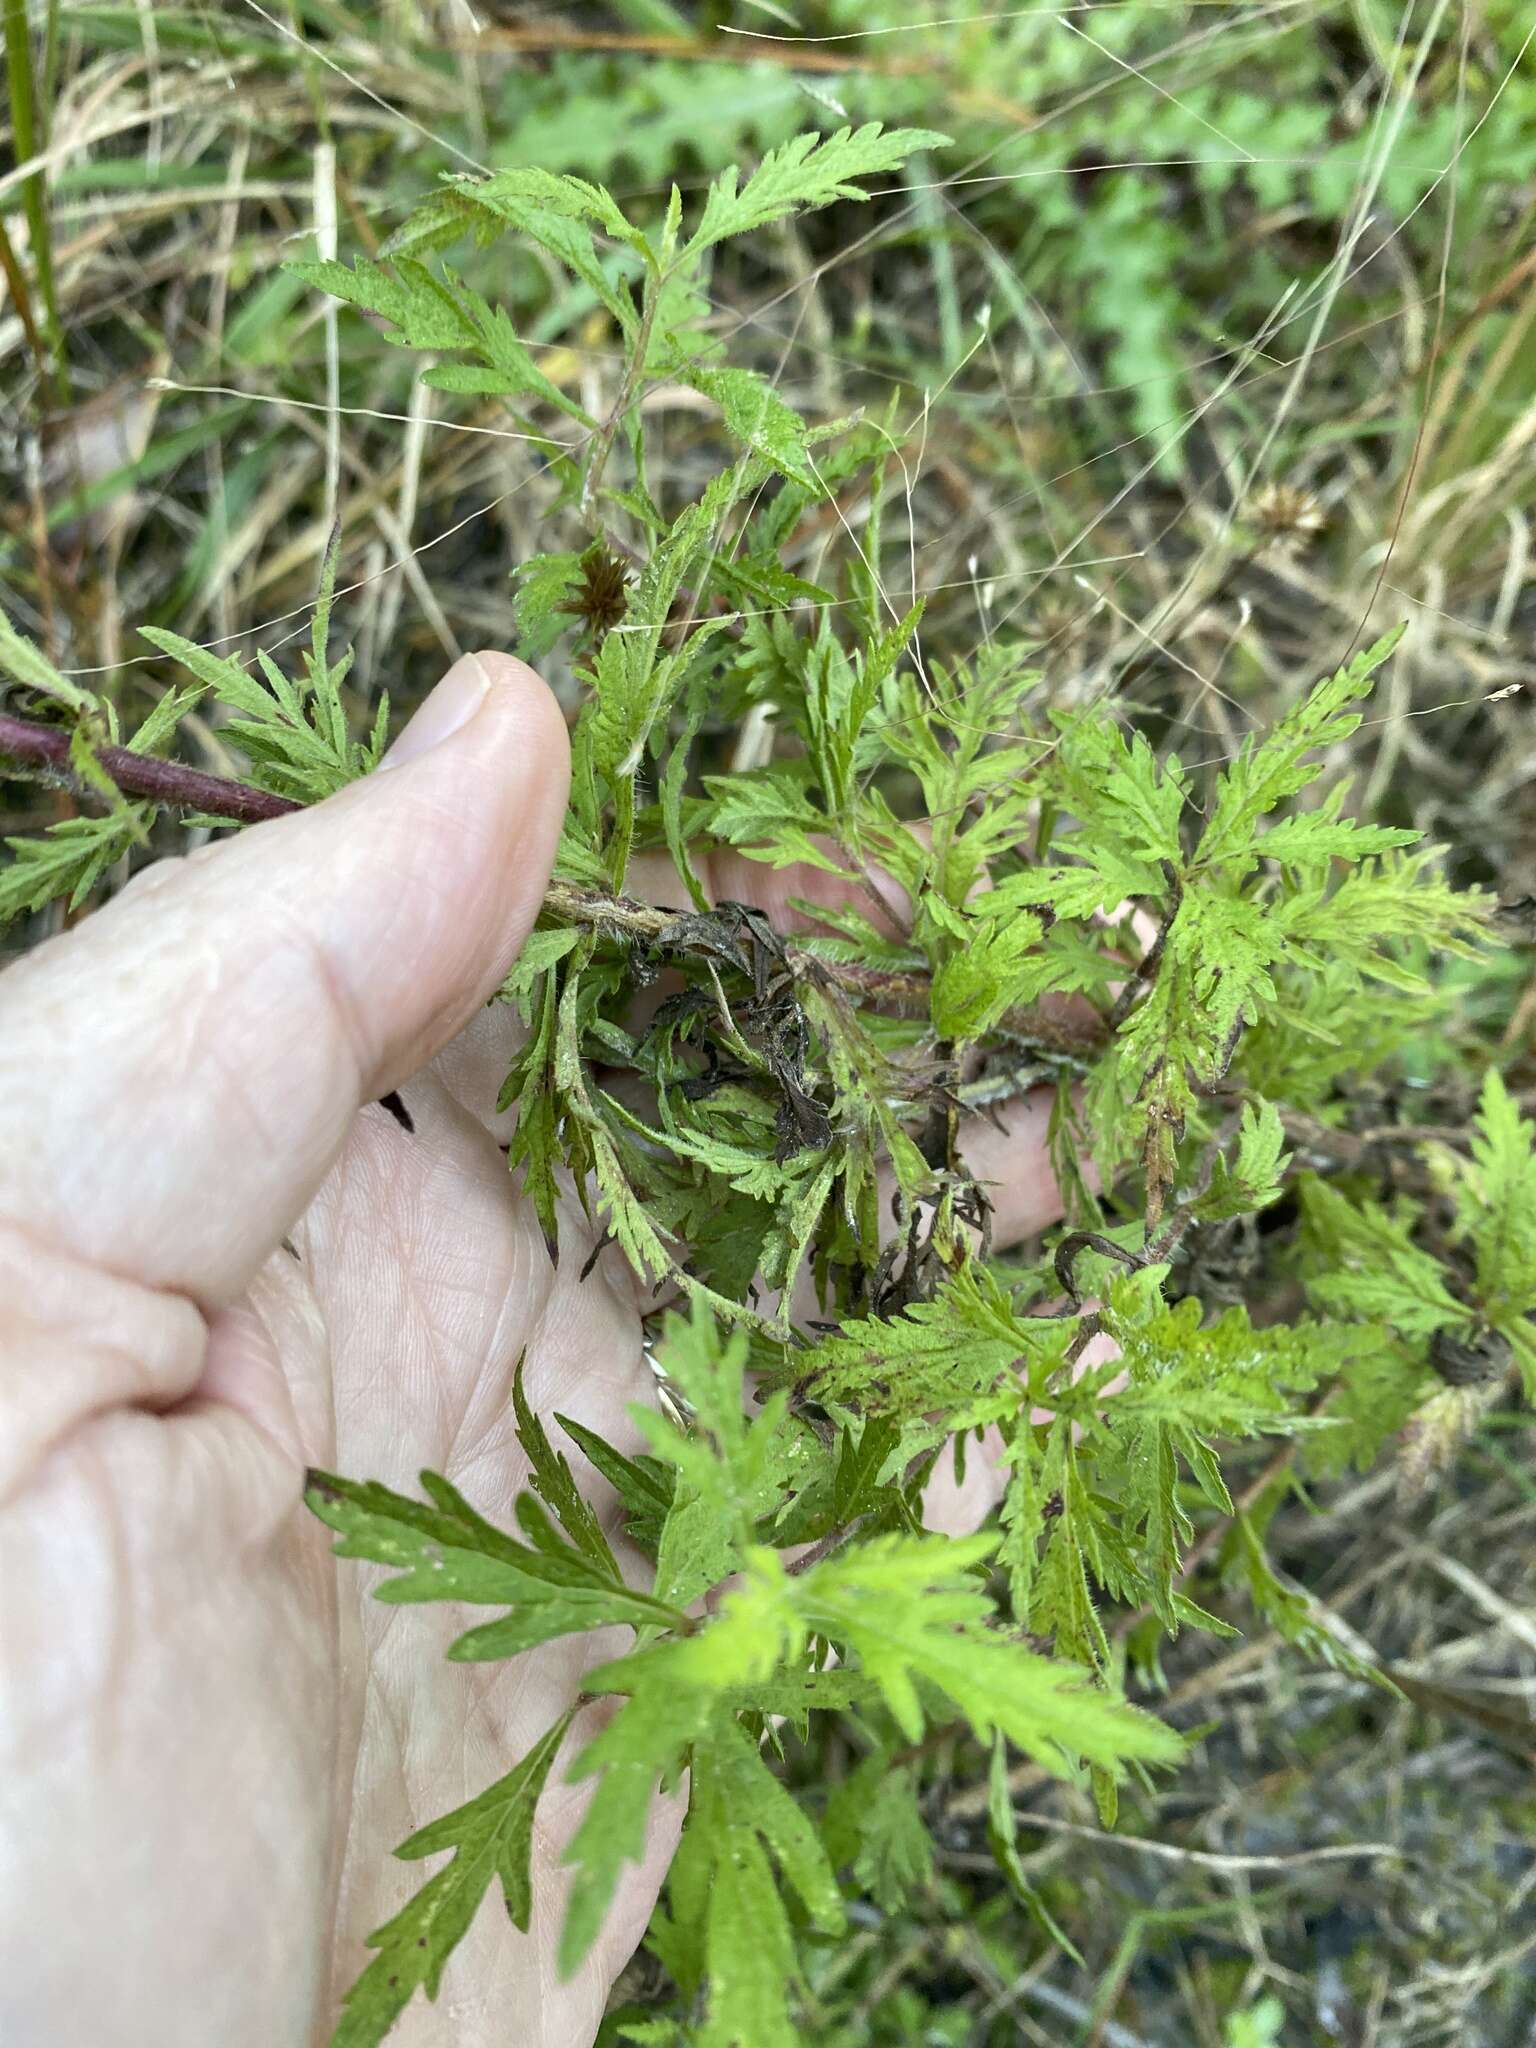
point(1286, 513)
point(600, 597)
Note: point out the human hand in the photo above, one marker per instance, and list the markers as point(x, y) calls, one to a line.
point(219, 1266)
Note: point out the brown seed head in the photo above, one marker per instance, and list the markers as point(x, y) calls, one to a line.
point(601, 595)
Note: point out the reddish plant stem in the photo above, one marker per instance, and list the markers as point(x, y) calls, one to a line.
point(170, 782)
point(163, 782)
point(1147, 972)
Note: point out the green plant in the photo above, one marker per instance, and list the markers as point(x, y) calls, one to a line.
point(1258, 119)
point(788, 1099)
point(1257, 2027)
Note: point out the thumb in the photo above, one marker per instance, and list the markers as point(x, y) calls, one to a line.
point(177, 1075)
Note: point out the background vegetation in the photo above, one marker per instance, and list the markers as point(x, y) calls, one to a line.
point(1208, 349)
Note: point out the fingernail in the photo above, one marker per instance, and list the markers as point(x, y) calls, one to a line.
point(449, 708)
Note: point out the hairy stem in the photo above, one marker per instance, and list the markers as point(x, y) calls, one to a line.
point(1054, 1028)
point(635, 370)
point(163, 782)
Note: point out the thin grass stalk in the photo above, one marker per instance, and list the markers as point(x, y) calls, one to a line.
point(23, 94)
point(21, 298)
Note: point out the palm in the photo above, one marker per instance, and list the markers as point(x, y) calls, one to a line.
point(205, 1667)
point(432, 1279)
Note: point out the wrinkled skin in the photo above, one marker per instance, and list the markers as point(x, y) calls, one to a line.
point(215, 1269)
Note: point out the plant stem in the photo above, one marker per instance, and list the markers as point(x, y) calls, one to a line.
point(21, 299)
point(1152, 960)
point(172, 783)
point(163, 782)
point(634, 371)
point(18, 64)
